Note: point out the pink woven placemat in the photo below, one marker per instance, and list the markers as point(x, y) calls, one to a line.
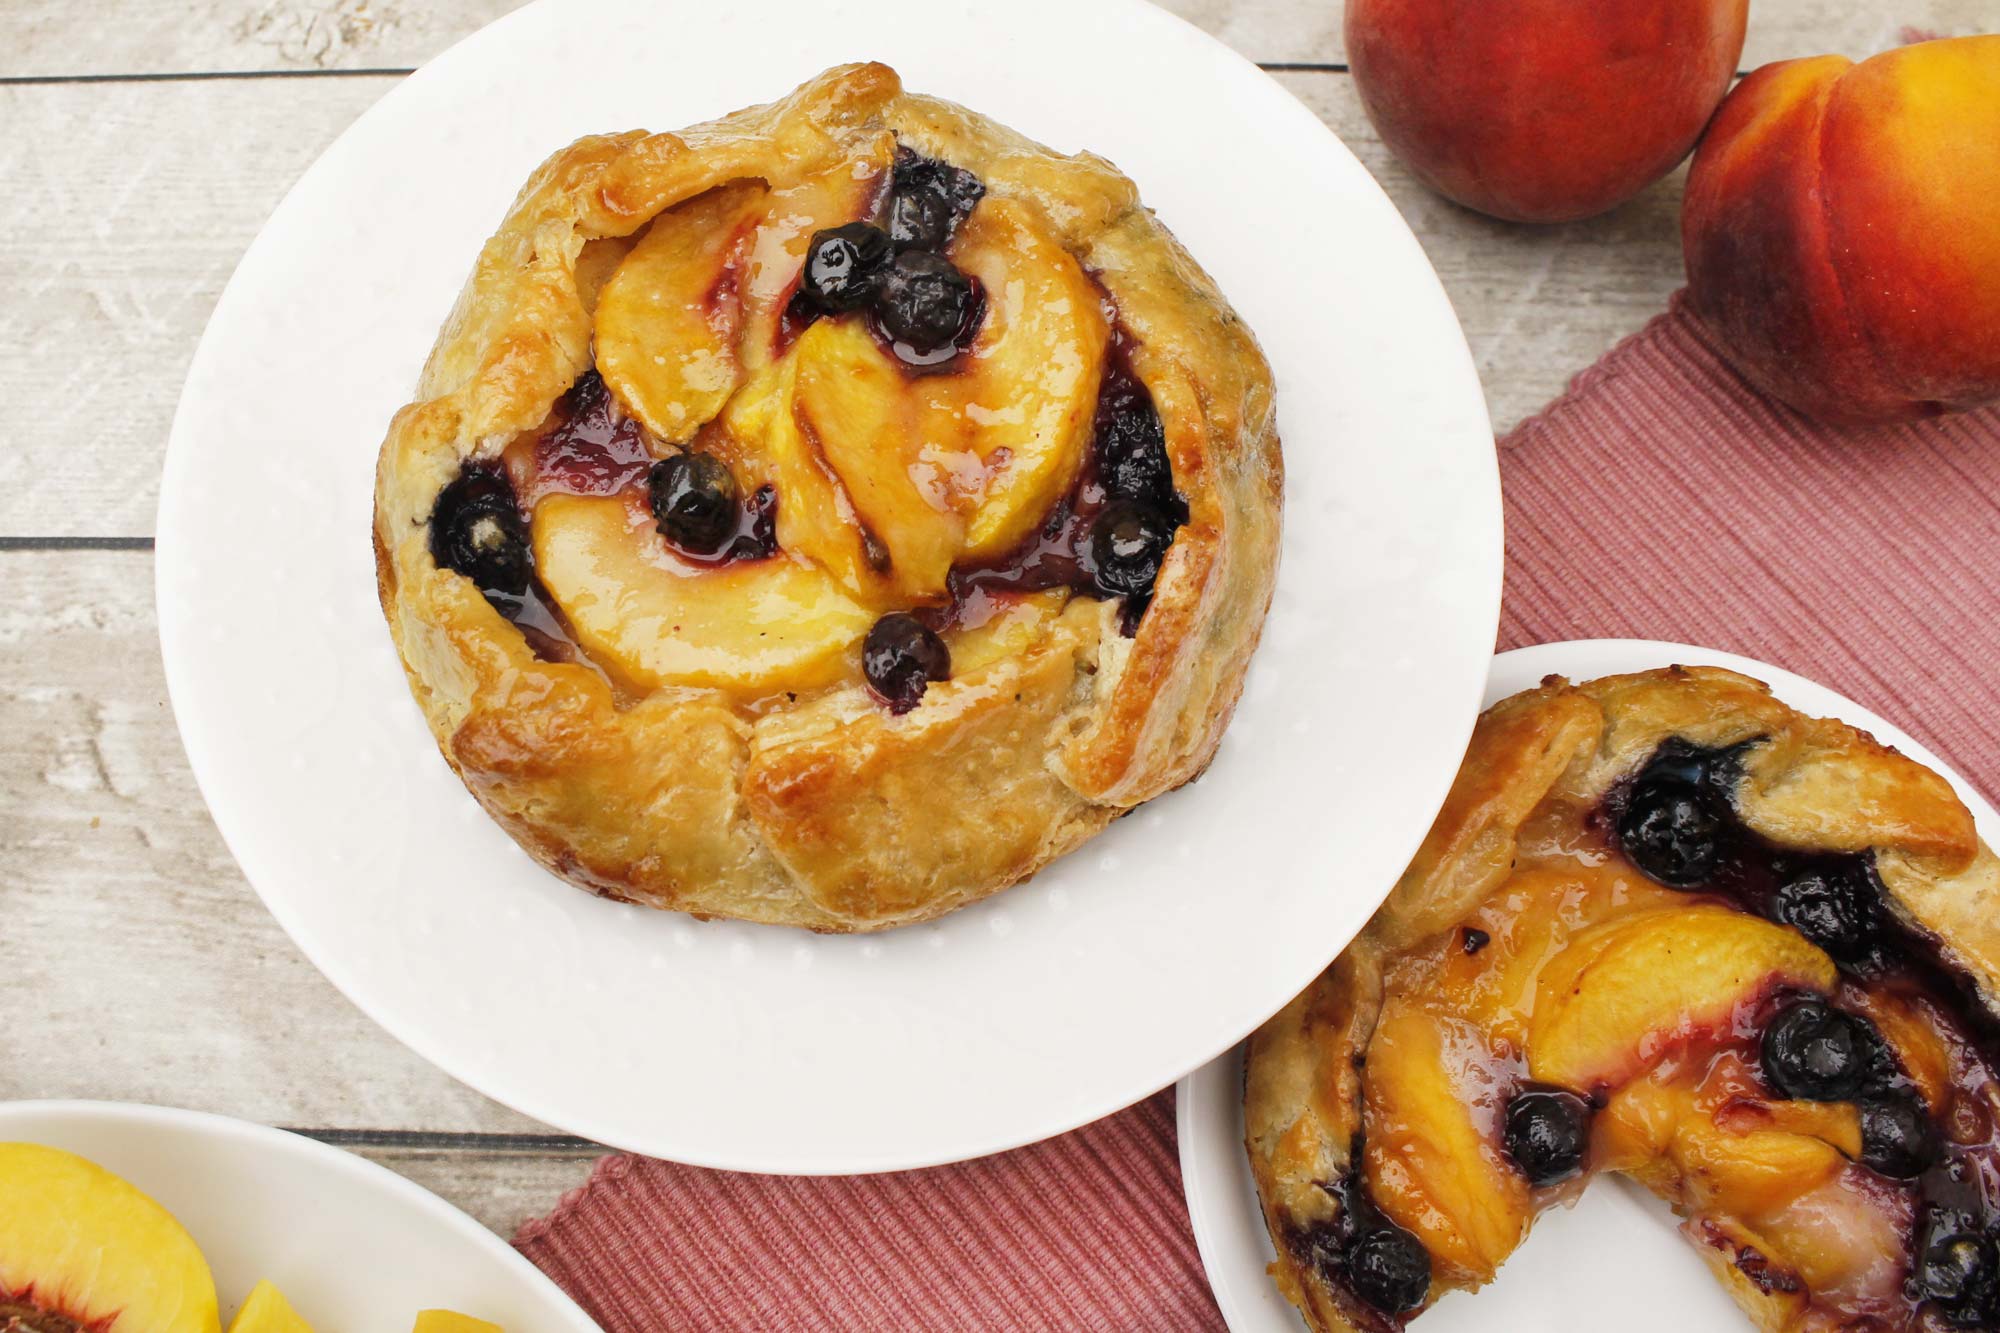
point(1659, 498)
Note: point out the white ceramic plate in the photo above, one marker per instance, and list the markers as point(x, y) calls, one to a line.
point(353, 1246)
point(1580, 1268)
point(1116, 971)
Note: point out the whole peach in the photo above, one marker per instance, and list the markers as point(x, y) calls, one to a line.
point(1842, 231)
point(1542, 110)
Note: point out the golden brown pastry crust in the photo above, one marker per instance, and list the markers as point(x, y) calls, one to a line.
point(832, 814)
point(1810, 784)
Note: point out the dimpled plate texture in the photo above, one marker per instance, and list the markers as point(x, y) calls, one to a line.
point(351, 1244)
point(1582, 1266)
point(1113, 973)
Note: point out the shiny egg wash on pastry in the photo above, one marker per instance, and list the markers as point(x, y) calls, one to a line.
point(1665, 926)
point(830, 514)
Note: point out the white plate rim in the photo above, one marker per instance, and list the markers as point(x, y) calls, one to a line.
point(251, 1138)
point(1215, 1170)
point(1460, 378)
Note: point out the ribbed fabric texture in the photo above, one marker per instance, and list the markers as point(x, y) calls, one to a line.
point(1659, 498)
point(1662, 498)
point(1086, 1231)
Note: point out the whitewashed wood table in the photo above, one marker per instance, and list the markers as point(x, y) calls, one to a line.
point(142, 142)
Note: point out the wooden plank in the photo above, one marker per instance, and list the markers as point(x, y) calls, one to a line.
point(126, 210)
point(117, 240)
point(45, 38)
point(136, 963)
point(499, 1187)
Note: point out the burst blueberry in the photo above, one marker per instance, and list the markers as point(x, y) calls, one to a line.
point(900, 658)
point(1833, 906)
point(1548, 1132)
point(694, 501)
point(1813, 1052)
point(1388, 1268)
point(927, 201)
point(1128, 544)
point(1897, 1137)
point(1671, 832)
point(845, 266)
point(477, 531)
point(925, 303)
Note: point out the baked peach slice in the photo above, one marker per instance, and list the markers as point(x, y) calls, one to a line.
point(888, 477)
point(668, 318)
point(1430, 1165)
point(826, 199)
point(265, 1310)
point(753, 627)
point(81, 1247)
point(1027, 394)
point(1623, 993)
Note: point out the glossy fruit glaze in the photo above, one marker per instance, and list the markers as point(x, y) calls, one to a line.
point(1106, 536)
point(1824, 1118)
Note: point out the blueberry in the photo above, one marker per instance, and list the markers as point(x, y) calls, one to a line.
point(1670, 832)
point(1815, 1053)
point(1548, 1131)
point(1128, 543)
point(587, 397)
point(694, 501)
point(901, 657)
point(476, 530)
point(927, 201)
point(1388, 1268)
point(1132, 454)
point(1897, 1137)
point(925, 303)
point(844, 266)
point(1834, 908)
point(1960, 1270)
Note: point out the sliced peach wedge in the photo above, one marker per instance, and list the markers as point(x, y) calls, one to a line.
point(669, 316)
point(753, 627)
point(1622, 993)
point(1432, 1168)
point(265, 1310)
point(1029, 390)
point(695, 305)
point(81, 1245)
point(890, 477)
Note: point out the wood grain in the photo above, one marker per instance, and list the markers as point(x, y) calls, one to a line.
point(117, 240)
point(144, 966)
point(57, 38)
point(500, 1186)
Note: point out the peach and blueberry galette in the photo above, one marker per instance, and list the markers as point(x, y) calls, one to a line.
point(829, 514)
point(1666, 926)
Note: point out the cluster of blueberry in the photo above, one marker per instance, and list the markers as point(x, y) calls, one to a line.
point(925, 308)
point(1679, 826)
point(1113, 537)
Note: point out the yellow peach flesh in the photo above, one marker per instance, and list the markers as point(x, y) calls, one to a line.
point(266, 1310)
point(1623, 992)
point(78, 1241)
point(752, 627)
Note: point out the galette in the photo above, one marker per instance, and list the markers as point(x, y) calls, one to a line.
point(829, 514)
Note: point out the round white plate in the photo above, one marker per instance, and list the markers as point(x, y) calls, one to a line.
point(1579, 1268)
point(352, 1245)
point(1116, 971)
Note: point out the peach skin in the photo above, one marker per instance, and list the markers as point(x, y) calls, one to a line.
point(1542, 110)
point(1842, 231)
